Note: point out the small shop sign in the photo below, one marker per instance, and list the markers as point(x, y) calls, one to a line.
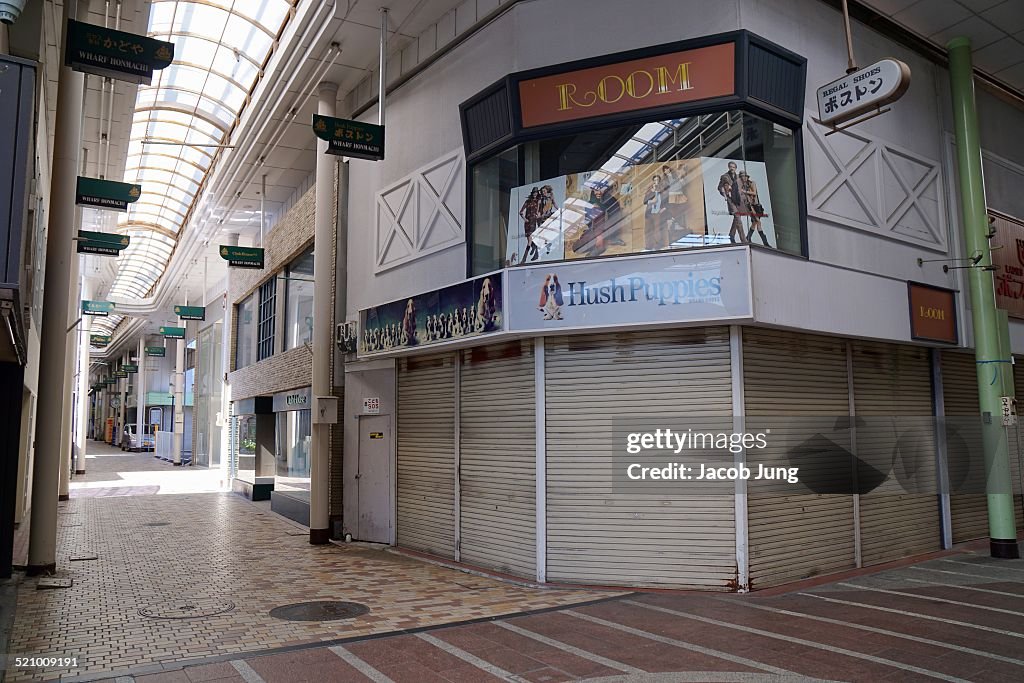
point(99, 339)
point(156, 351)
point(106, 194)
point(121, 374)
point(97, 308)
point(130, 369)
point(932, 313)
point(173, 332)
point(350, 138)
point(115, 54)
point(863, 91)
point(190, 312)
point(101, 243)
point(242, 257)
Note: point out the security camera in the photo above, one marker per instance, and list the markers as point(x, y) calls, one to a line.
point(10, 10)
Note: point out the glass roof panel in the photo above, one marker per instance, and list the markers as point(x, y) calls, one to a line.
point(219, 46)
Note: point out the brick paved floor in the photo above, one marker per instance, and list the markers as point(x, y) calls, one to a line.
point(958, 617)
point(155, 551)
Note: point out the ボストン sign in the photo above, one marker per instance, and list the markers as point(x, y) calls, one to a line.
point(862, 91)
point(242, 257)
point(101, 243)
point(106, 194)
point(119, 55)
point(350, 138)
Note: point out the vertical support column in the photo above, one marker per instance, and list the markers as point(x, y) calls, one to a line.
point(84, 407)
point(122, 407)
point(67, 431)
point(941, 459)
point(739, 461)
point(541, 436)
point(457, 442)
point(858, 557)
point(140, 399)
point(53, 338)
point(1001, 523)
point(227, 325)
point(179, 399)
point(319, 521)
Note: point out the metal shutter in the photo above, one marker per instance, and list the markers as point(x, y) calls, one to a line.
point(596, 536)
point(794, 536)
point(968, 512)
point(1015, 436)
point(898, 518)
point(426, 455)
point(497, 458)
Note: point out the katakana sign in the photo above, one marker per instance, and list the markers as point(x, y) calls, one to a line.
point(350, 138)
point(106, 194)
point(864, 90)
point(122, 56)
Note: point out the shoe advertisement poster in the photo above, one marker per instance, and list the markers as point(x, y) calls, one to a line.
point(535, 222)
point(737, 201)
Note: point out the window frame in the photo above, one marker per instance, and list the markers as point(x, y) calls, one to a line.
point(247, 301)
point(307, 252)
point(266, 320)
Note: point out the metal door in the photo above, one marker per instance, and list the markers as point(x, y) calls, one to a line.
point(374, 478)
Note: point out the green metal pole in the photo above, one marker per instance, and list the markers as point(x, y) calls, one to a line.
point(1002, 532)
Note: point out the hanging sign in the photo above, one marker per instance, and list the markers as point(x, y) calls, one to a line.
point(98, 308)
point(350, 138)
point(242, 257)
point(109, 381)
point(99, 339)
point(190, 312)
point(173, 332)
point(122, 56)
point(106, 194)
point(101, 243)
point(156, 351)
point(130, 369)
point(932, 313)
point(120, 374)
point(863, 91)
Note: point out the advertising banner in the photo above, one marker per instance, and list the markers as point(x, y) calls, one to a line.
point(467, 309)
point(739, 205)
point(535, 222)
point(115, 54)
point(703, 286)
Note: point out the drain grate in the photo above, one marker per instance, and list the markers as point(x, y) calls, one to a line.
point(157, 524)
point(319, 610)
point(186, 608)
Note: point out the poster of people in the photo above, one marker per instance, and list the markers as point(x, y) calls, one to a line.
point(466, 309)
point(535, 222)
point(739, 205)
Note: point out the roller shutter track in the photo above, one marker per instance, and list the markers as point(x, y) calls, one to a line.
point(426, 455)
point(968, 511)
point(497, 459)
point(901, 516)
point(1016, 443)
point(677, 378)
point(801, 535)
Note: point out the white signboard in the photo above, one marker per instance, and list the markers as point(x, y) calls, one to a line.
point(863, 91)
point(1009, 411)
point(710, 285)
point(371, 406)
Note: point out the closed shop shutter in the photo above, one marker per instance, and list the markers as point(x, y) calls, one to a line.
point(426, 455)
point(892, 386)
point(1016, 439)
point(787, 375)
point(497, 458)
point(595, 535)
point(968, 511)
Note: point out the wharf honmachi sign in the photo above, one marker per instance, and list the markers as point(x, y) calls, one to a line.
point(242, 257)
point(115, 54)
point(106, 194)
point(99, 339)
point(190, 312)
point(98, 308)
point(862, 91)
point(156, 351)
point(673, 78)
point(350, 138)
point(130, 369)
point(173, 332)
point(101, 243)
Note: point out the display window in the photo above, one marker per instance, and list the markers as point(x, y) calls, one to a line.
point(294, 448)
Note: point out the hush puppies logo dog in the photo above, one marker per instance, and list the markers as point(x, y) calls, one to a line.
point(551, 300)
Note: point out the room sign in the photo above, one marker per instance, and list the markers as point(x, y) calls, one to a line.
point(106, 194)
point(673, 78)
point(115, 54)
point(932, 313)
point(863, 91)
point(350, 138)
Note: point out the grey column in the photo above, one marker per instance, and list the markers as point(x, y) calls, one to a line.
point(140, 397)
point(42, 553)
point(122, 408)
point(67, 431)
point(227, 471)
point(179, 399)
point(84, 412)
point(324, 246)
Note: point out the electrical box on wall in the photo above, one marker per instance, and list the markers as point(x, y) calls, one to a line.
point(325, 410)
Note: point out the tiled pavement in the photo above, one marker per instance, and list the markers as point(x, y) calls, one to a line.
point(959, 617)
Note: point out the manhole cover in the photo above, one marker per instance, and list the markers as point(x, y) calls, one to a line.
point(319, 610)
point(186, 608)
point(157, 524)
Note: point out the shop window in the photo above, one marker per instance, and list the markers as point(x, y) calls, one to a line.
point(244, 356)
point(247, 447)
point(268, 319)
point(294, 449)
point(298, 298)
point(702, 181)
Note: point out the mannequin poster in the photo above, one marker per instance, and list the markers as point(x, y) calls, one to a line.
point(737, 201)
point(535, 222)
